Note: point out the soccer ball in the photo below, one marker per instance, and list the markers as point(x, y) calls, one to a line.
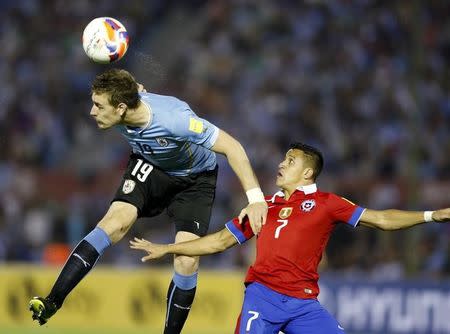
point(105, 40)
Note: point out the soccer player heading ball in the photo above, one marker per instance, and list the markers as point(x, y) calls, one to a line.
point(282, 289)
point(172, 167)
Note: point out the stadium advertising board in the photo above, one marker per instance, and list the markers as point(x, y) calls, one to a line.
point(400, 307)
point(139, 298)
point(121, 299)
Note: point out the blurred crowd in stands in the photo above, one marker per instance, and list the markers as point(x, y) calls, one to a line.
point(365, 81)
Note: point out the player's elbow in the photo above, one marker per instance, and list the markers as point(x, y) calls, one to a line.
point(384, 226)
point(224, 240)
point(379, 220)
point(218, 248)
point(385, 221)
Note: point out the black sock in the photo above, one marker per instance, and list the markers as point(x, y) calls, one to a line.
point(178, 306)
point(79, 263)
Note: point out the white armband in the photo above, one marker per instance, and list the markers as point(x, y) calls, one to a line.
point(255, 195)
point(428, 216)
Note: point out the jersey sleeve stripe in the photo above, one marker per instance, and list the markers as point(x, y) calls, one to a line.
point(237, 234)
point(213, 138)
point(354, 219)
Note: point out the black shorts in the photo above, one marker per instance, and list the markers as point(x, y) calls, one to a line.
point(188, 199)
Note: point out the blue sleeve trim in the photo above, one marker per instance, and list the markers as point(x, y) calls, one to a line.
point(354, 219)
point(237, 234)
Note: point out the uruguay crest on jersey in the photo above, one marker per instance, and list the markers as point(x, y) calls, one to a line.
point(128, 186)
point(162, 142)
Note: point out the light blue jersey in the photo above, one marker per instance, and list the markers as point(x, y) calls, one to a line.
point(176, 140)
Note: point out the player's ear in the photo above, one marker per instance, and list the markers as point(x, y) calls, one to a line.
point(122, 108)
point(308, 173)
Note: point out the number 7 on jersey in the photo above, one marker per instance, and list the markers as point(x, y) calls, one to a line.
point(283, 222)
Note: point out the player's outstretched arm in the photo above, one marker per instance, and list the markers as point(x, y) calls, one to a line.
point(256, 211)
point(209, 244)
point(398, 219)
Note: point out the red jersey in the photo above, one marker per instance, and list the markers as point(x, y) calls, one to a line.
point(290, 244)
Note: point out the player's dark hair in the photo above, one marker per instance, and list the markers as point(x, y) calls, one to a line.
point(312, 154)
point(121, 86)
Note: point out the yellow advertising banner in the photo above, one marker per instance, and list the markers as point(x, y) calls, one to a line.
point(121, 299)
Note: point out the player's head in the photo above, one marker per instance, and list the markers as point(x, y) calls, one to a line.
point(113, 93)
point(301, 165)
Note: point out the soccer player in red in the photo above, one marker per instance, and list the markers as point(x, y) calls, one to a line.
point(282, 289)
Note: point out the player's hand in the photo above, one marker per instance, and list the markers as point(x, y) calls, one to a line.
point(441, 215)
point(154, 251)
point(141, 88)
point(256, 213)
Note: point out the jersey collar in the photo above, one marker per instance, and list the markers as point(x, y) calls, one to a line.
point(131, 129)
point(308, 189)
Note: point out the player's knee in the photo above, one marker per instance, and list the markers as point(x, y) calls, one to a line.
point(118, 220)
point(186, 265)
point(115, 229)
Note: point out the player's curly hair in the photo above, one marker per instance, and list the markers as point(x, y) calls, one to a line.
point(121, 86)
point(312, 154)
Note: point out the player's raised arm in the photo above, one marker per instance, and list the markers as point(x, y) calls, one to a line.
point(256, 210)
point(209, 244)
point(399, 219)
